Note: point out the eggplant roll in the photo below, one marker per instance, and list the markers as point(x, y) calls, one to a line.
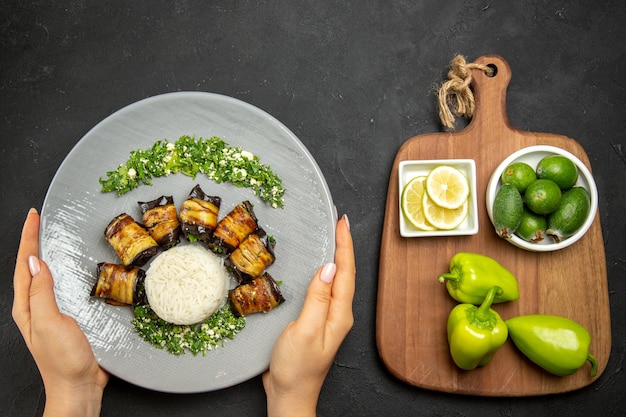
point(234, 228)
point(198, 214)
point(120, 284)
point(253, 256)
point(259, 295)
point(132, 243)
point(160, 217)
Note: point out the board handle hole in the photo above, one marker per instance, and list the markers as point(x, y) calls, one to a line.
point(494, 70)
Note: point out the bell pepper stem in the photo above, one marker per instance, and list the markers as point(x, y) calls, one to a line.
point(594, 365)
point(483, 311)
point(451, 276)
point(447, 277)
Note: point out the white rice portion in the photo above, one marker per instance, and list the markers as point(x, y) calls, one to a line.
point(186, 284)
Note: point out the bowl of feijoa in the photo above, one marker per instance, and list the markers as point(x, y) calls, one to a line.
point(541, 198)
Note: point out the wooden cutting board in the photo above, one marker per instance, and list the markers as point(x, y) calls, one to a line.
point(412, 307)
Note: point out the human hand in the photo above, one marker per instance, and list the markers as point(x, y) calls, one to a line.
point(304, 352)
point(73, 381)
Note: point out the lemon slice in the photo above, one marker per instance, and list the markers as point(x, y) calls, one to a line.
point(447, 187)
point(441, 217)
point(412, 203)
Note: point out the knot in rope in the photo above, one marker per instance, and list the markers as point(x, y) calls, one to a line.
point(456, 92)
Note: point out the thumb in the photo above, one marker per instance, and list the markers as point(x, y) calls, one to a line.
point(317, 302)
point(43, 305)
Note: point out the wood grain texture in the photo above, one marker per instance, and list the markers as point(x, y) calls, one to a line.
point(412, 307)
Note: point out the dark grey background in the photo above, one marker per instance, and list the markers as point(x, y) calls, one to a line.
point(353, 80)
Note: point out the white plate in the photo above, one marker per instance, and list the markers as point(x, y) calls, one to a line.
point(75, 214)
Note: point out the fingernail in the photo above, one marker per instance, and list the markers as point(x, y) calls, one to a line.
point(33, 210)
point(345, 217)
point(328, 273)
point(33, 265)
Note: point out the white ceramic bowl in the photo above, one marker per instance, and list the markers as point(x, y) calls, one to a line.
point(532, 155)
point(407, 170)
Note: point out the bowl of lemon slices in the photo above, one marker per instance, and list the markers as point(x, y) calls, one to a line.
point(437, 197)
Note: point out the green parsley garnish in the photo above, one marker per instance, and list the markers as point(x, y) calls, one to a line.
point(190, 156)
point(197, 338)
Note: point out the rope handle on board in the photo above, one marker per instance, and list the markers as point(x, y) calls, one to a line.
point(456, 92)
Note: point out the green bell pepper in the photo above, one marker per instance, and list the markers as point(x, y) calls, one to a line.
point(557, 344)
point(472, 275)
point(475, 333)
